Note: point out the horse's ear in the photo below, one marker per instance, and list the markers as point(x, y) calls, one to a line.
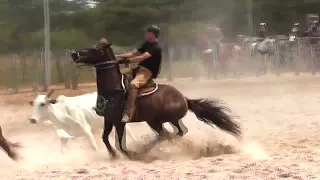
point(103, 41)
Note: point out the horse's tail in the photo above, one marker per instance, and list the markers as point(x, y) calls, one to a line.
point(209, 112)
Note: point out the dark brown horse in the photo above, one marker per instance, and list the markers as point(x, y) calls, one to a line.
point(158, 103)
point(8, 146)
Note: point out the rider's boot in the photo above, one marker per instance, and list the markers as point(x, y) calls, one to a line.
point(130, 106)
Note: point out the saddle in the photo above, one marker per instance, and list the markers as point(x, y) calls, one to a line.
point(102, 102)
point(145, 90)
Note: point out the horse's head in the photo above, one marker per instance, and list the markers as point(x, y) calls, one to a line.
point(96, 55)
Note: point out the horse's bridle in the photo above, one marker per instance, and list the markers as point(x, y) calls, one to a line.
point(111, 63)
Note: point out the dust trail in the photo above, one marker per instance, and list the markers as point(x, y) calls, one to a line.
point(254, 150)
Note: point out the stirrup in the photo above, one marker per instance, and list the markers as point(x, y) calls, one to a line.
point(126, 116)
point(125, 119)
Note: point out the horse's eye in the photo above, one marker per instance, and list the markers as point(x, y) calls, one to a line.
point(42, 104)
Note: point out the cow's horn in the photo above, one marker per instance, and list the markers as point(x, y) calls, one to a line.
point(50, 93)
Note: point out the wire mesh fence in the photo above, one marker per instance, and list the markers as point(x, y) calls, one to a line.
point(26, 69)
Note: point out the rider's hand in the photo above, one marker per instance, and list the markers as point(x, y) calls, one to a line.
point(124, 61)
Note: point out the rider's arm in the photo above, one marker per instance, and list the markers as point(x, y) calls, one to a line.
point(135, 52)
point(129, 54)
point(147, 54)
point(140, 58)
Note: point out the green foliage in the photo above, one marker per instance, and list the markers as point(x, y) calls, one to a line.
point(75, 24)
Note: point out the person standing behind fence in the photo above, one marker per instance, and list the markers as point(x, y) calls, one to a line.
point(311, 32)
point(205, 50)
point(216, 36)
point(208, 43)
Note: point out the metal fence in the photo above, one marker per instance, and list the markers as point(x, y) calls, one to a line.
point(300, 55)
point(22, 70)
point(25, 70)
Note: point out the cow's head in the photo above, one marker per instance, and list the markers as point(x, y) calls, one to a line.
point(40, 107)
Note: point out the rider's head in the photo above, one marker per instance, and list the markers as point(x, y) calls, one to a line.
point(152, 33)
point(296, 24)
point(263, 24)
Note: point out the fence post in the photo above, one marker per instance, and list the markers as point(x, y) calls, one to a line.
point(74, 77)
point(170, 56)
point(35, 73)
point(95, 73)
point(66, 72)
point(195, 62)
point(277, 58)
point(215, 61)
point(299, 56)
point(42, 68)
point(14, 75)
point(313, 58)
point(23, 64)
point(59, 68)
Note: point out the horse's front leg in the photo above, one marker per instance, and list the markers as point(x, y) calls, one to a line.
point(105, 137)
point(120, 128)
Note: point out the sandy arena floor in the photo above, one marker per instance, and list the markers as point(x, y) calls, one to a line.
point(280, 119)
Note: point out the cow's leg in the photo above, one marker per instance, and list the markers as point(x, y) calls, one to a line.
point(63, 144)
point(105, 137)
point(88, 132)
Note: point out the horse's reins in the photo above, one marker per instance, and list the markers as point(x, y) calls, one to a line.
point(113, 63)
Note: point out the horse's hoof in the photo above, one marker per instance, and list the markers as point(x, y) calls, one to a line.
point(113, 155)
point(113, 158)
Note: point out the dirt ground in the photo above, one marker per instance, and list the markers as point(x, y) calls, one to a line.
point(280, 119)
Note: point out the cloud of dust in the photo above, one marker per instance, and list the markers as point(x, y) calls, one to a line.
point(41, 150)
point(200, 141)
point(254, 150)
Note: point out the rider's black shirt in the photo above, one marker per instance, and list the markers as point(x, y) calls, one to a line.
point(153, 63)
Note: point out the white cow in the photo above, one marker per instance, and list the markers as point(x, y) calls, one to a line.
point(71, 116)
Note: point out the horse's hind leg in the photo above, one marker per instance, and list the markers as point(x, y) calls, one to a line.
point(157, 127)
point(182, 129)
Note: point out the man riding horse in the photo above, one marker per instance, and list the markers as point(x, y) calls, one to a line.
point(148, 57)
point(295, 30)
point(262, 32)
point(162, 104)
point(215, 35)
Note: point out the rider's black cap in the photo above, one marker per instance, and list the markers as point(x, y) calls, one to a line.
point(154, 29)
